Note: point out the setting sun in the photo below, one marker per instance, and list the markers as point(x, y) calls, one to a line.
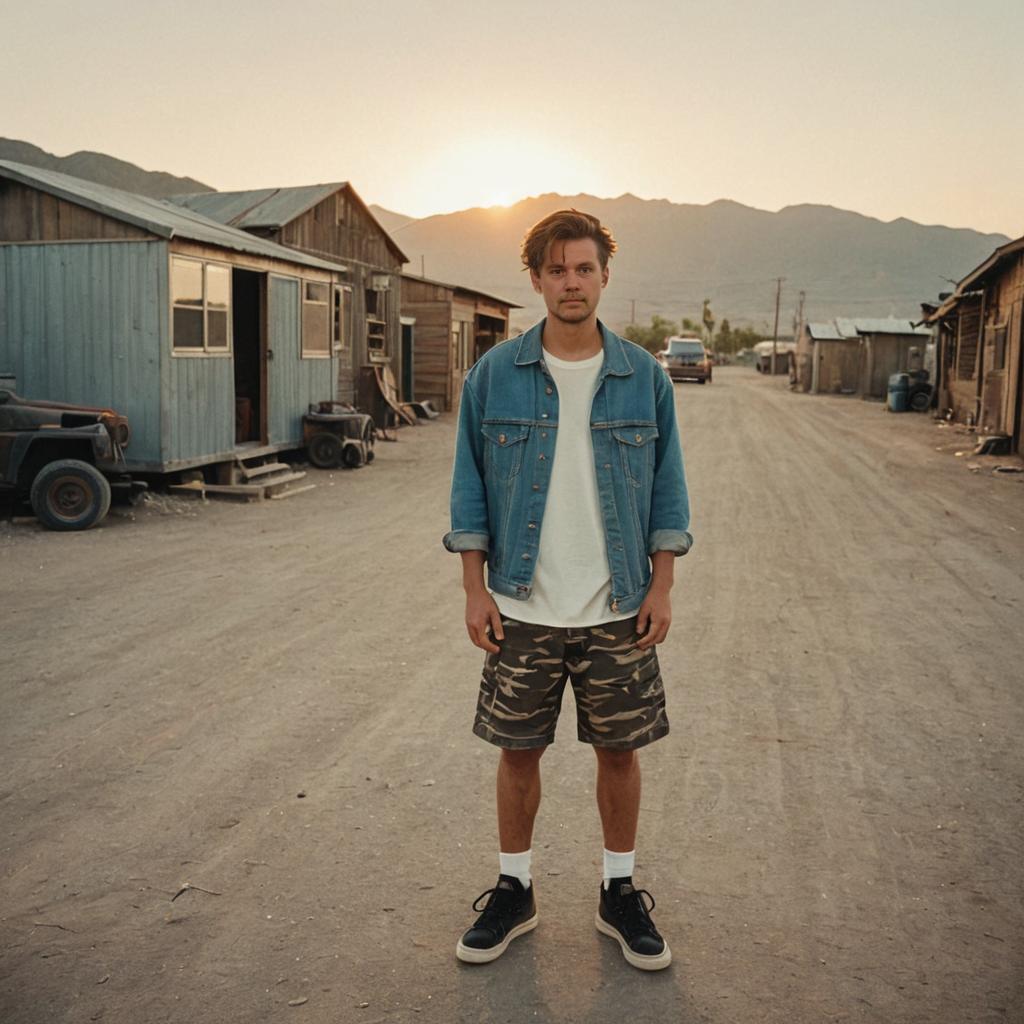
point(497, 171)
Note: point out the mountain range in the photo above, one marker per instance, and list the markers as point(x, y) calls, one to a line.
point(672, 255)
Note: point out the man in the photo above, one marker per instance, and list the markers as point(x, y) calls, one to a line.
point(568, 483)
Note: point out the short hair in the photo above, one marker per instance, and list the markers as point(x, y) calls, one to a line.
point(565, 226)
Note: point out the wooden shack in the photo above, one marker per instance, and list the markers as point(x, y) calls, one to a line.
point(856, 356)
point(980, 337)
point(211, 340)
point(332, 223)
point(827, 361)
point(454, 327)
point(888, 345)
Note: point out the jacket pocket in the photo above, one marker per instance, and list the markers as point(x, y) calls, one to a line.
point(504, 444)
point(636, 449)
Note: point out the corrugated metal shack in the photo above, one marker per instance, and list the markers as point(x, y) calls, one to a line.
point(330, 222)
point(856, 356)
point(455, 326)
point(980, 338)
point(212, 341)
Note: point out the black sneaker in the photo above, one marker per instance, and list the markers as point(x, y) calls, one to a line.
point(624, 915)
point(510, 911)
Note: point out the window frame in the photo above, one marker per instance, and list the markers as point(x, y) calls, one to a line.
point(344, 322)
point(328, 351)
point(206, 350)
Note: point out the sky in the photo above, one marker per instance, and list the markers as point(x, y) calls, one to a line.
point(902, 108)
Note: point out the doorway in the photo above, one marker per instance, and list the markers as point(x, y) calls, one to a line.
point(248, 321)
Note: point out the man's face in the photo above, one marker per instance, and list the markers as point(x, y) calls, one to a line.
point(571, 279)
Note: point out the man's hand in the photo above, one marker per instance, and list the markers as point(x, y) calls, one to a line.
point(482, 614)
point(655, 615)
point(654, 619)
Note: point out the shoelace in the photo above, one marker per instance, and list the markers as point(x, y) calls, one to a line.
point(635, 912)
point(499, 903)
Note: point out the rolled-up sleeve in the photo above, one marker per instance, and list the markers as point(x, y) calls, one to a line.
point(669, 528)
point(469, 520)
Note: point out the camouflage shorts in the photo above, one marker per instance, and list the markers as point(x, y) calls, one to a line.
point(620, 700)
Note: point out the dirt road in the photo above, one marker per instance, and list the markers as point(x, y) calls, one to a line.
point(271, 704)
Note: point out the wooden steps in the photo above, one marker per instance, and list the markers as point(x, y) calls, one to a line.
point(245, 479)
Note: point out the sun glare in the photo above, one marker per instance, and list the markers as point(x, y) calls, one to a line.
point(495, 171)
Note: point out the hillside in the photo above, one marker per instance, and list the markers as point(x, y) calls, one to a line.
point(673, 255)
point(106, 170)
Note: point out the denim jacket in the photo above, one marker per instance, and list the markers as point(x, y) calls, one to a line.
point(508, 420)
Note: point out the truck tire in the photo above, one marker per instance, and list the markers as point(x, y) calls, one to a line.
point(70, 495)
point(325, 450)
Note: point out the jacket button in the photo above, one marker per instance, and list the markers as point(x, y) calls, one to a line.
point(542, 456)
point(544, 434)
point(531, 526)
point(607, 465)
point(501, 439)
point(615, 606)
point(526, 558)
point(536, 487)
point(547, 391)
point(543, 415)
point(639, 438)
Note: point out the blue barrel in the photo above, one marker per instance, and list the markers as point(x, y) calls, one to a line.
point(899, 389)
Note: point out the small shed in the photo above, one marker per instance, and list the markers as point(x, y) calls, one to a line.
point(856, 356)
point(827, 360)
point(979, 332)
point(333, 223)
point(212, 341)
point(454, 327)
point(888, 345)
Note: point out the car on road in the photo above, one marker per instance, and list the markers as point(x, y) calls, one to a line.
point(66, 460)
point(686, 359)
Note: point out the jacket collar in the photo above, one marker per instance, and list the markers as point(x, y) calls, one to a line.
point(616, 359)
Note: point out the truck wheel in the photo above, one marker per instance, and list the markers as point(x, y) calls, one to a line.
point(70, 495)
point(920, 401)
point(353, 456)
point(325, 451)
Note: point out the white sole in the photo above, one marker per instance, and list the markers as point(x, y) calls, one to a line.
point(645, 963)
point(468, 955)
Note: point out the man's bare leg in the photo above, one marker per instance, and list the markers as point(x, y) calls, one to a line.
point(618, 797)
point(518, 798)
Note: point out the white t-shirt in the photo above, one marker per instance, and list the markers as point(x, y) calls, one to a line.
point(571, 577)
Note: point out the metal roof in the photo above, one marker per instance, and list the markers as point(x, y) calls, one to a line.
point(823, 331)
point(270, 208)
point(157, 216)
point(463, 288)
point(879, 325)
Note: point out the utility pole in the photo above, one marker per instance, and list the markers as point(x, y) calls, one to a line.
point(632, 313)
point(775, 332)
point(423, 270)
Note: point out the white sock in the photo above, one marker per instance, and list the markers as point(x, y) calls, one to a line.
point(517, 865)
point(618, 865)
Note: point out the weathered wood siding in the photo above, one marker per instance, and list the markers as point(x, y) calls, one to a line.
point(29, 215)
point(339, 228)
point(431, 305)
point(1001, 340)
point(86, 323)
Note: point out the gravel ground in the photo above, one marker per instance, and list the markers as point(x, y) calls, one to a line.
point(239, 784)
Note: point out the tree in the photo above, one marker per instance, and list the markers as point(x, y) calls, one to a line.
point(653, 336)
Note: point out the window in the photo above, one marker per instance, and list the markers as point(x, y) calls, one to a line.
point(201, 306)
point(316, 319)
point(342, 311)
point(376, 324)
